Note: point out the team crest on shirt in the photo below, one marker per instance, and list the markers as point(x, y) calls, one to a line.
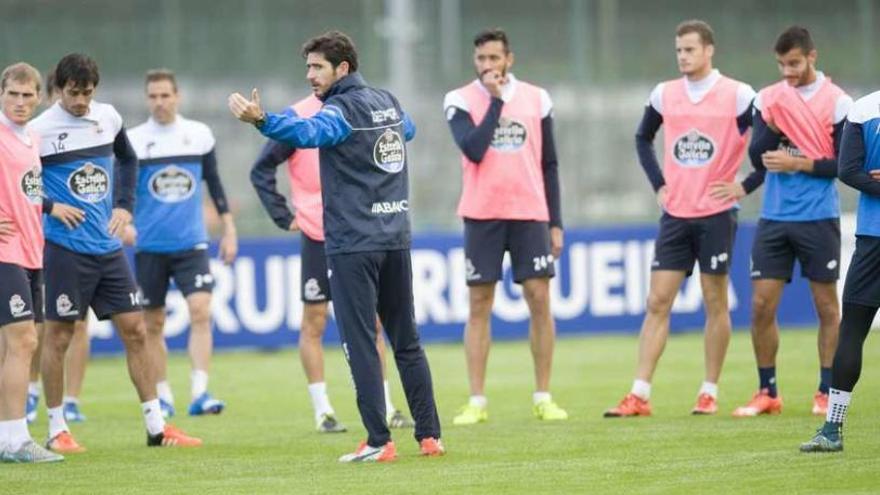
point(787, 146)
point(694, 149)
point(172, 184)
point(90, 183)
point(312, 291)
point(17, 306)
point(509, 135)
point(32, 185)
point(389, 153)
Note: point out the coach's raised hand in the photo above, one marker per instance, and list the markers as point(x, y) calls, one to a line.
point(246, 110)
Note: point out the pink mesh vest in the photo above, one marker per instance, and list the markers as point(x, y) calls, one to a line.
point(509, 183)
point(305, 179)
point(21, 199)
point(702, 144)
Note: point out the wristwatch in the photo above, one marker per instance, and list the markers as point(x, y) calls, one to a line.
point(260, 121)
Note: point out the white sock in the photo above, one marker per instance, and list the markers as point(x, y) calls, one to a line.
point(389, 406)
point(34, 388)
point(5, 427)
point(198, 382)
point(153, 416)
point(641, 388)
point(478, 401)
point(538, 397)
point(709, 388)
point(163, 388)
point(838, 403)
point(18, 434)
point(57, 424)
point(320, 400)
point(68, 399)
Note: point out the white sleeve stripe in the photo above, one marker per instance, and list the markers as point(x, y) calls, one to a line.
point(546, 104)
point(454, 99)
point(656, 98)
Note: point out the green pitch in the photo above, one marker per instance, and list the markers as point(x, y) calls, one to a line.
point(265, 441)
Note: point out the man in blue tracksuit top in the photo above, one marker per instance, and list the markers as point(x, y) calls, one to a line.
point(362, 132)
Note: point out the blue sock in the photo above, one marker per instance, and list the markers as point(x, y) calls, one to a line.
point(767, 378)
point(824, 380)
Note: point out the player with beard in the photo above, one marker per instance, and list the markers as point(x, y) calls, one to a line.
point(797, 130)
point(85, 266)
point(509, 202)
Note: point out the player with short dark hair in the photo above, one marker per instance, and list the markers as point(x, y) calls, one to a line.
point(706, 117)
point(797, 129)
point(510, 201)
point(176, 155)
point(84, 265)
point(361, 132)
point(305, 187)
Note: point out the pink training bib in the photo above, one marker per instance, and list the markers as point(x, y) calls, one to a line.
point(509, 183)
point(809, 124)
point(305, 179)
point(21, 199)
point(702, 144)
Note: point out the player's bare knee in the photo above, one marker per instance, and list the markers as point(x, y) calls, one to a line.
point(133, 335)
point(659, 304)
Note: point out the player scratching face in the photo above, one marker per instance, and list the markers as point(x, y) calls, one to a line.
point(492, 61)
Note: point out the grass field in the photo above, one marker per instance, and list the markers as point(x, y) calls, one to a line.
point(265, 443)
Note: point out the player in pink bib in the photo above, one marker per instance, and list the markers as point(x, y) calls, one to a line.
point(707, 117)
point(797, 131)
point(305, 188)
point(509, 202)
point(21, 259)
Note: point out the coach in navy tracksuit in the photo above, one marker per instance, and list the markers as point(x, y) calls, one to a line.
point(362, 133)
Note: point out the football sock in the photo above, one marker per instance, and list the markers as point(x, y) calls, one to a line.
point(163, 388)
point(320, 400)
point(642, 389)
point(539, 397)
point(34, 388)
point(710, 389)
point(18, 434)
point(478, 401)
point(153, 417)
point(389, 406)
point(57, 424)
point(199, 383)
point(767, 378)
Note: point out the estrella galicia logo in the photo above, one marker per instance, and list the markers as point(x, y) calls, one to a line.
point(694, 149)
point(389, 153)
point(32, 185)
point(89, 183)
point(172, 184)
point(509, 135)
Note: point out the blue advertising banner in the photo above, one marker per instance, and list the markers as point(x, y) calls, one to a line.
point(601, 286)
